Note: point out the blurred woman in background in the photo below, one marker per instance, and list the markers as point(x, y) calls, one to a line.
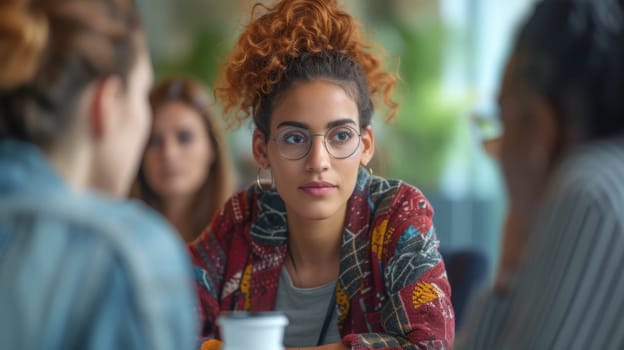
point(186, 173)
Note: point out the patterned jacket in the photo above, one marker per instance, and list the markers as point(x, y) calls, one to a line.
point(392, 291)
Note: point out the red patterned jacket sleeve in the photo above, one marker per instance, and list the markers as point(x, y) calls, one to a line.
point(416, 310)
point(210, 253)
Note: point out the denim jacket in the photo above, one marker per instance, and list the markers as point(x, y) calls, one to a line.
point(79, 270)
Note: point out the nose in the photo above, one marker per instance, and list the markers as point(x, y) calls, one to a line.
point(318, 158)
point(169, 150)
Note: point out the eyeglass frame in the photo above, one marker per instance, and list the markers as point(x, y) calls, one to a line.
point(324, 135)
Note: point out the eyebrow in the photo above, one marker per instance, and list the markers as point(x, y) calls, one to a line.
point(307, 127)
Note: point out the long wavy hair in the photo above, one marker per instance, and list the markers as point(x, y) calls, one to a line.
point(221, 181)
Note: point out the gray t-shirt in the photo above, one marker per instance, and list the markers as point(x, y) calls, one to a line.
point(306, 309)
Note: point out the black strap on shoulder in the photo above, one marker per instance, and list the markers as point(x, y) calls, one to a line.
point(328, 316)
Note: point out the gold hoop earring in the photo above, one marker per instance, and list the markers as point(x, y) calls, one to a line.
point(368, 169)
point(260, 181)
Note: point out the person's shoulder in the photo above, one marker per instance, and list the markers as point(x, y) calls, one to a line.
point(245, 205)
point(589, 180)
point(129, 215)
point(141, 240)
point(597, 153)
point(398, 199)
point(87, 212)
point(230, 227)
point(596, 167)
point(238, 208)
point(126, 226)
point(395, 190)
point(401, 210)
point(124, 230)
point(231, 219)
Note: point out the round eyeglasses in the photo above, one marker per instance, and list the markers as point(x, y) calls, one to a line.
point(340, 141)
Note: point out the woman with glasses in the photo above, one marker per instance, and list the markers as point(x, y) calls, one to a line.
point(351, 258)
point(186, 173)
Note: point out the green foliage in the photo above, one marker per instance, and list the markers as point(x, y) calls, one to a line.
point(428, 121)
point(208, 49)
point(416, 147)
point(423, 136)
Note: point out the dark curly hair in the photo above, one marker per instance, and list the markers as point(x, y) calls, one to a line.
point(567, 52)
point(300, 40)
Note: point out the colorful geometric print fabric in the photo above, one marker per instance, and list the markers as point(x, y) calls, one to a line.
point(392, 291)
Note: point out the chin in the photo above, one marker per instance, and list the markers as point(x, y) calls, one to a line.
point(318, 211)
point(175, 192)
point(112, 190)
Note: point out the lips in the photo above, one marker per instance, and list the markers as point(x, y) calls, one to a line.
point(317, 189)
point(169, 173)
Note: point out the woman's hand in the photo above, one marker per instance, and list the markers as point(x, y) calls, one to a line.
point(513, 245)
point(211, 344)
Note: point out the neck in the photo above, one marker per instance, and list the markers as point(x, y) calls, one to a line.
point(314, 250)
point(178, 211)
point(72, 164)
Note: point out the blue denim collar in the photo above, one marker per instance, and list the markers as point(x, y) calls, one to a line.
point(25, 169)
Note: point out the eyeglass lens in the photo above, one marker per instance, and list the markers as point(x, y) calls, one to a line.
point(340, 141)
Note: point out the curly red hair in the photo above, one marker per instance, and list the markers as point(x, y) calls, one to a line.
point(285, 31)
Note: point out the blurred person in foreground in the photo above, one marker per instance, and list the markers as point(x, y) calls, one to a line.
point(186, 173)
point(559, 283)
point(80, 267)
point(351, 258)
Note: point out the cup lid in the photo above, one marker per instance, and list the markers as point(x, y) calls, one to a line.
point(274, 317)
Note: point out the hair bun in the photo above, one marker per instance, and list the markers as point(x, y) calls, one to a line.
point(289, 29)
point(23, 37)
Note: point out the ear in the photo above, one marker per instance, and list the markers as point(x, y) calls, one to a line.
point(260, 147)
point(368, 145)
point(105, 106)
point(549, 136)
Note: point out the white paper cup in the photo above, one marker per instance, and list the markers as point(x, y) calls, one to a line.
point(242, 330)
